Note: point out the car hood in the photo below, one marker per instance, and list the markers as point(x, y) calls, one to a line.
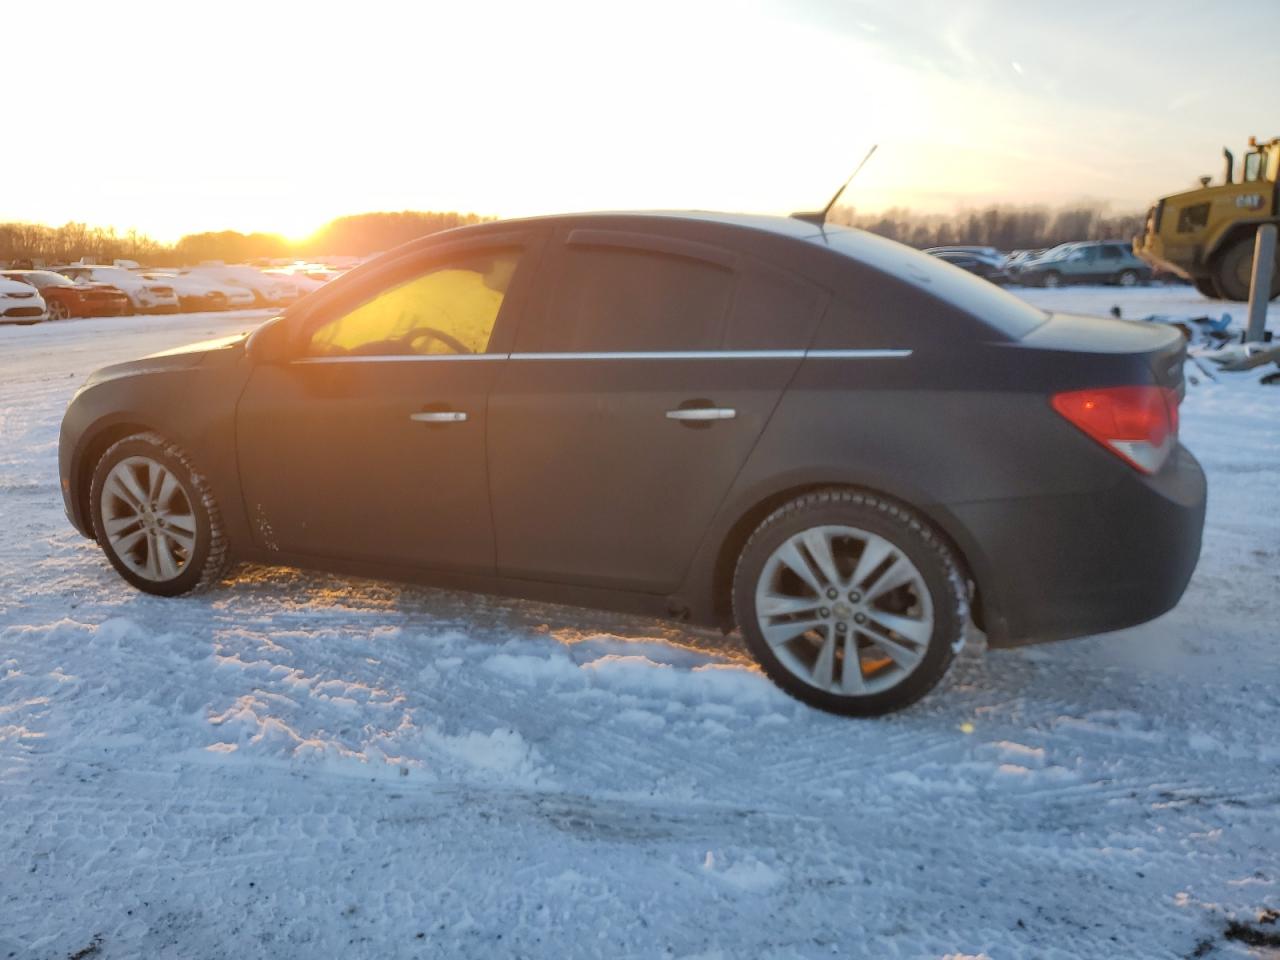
point(179, 358)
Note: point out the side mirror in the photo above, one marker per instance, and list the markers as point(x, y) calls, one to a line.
point(271, 343)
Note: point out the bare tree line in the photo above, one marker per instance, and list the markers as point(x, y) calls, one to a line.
point(1005, 227)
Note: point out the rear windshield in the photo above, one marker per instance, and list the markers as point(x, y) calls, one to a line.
point(1010, 315)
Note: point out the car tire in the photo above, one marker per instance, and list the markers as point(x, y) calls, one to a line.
point(904, 616)
point(168, 541)
point(1051, 279)
point(59, 310)
point(1128, 278)
point(1233, 271)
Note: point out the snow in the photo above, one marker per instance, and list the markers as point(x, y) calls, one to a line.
point(302, 765)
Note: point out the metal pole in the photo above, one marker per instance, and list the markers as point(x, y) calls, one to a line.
point(1264, 263)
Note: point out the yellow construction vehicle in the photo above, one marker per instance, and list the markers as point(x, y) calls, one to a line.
point(1207, 235)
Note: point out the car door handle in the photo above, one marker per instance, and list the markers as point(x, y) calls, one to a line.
point(702, 413)
point(438, 416)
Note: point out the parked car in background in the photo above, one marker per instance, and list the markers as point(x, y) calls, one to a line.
point(990, 253)
point(723, 419)
point(20, 302)
point(145, 296)
point(198, 294)
point(1020, 258)
point(974, 263)
point(268, 290)
point(1102, 261)
point(66, 298)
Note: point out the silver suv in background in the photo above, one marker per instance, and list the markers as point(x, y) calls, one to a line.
point(1102, 261)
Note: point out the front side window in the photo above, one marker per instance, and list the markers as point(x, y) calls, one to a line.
point(611, 299)
point(1110, 253)
point(449, 309)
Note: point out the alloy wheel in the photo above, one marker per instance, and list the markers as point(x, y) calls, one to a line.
point(844, 610)
point(148, 519)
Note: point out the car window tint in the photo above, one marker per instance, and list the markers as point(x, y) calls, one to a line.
point(607, 299)
point(448, 309)
point(1110, 253)
point(773, 310)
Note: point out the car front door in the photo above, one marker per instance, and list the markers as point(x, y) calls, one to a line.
point(637, 387)
point(368, 441)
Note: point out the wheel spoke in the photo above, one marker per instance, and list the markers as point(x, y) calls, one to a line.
point(851, 680)
point(776, 605)
point(876, 550)
point(917, 631)
point(781, 633)
point(182, 521)
point(790, 555)
point(824, 667)
point(117, 489)
point(165, 559)
point(186, 541)
point(818, 543)
point(130, 482)
point(128, 541)
point(152, 567)
point(118, 525)
point(903, 656)
point(898, 575)
point(168, 484)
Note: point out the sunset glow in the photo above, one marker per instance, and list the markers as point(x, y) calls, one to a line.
point(203, 119)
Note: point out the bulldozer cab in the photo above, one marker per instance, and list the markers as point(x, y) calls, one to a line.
point(1262, 163)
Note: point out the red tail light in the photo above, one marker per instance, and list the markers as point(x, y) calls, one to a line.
point(1137, 424)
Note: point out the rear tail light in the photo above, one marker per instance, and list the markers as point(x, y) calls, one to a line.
point(1137, 424)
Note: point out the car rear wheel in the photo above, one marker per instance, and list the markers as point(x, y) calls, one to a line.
point(156, 518)
point(850, 603)
point(1051, 279)
point(1128, 278)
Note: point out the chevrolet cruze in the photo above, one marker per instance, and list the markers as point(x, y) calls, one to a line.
point(843, 447)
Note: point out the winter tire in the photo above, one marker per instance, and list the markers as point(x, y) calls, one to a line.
point(850, 602)
point(155, 517)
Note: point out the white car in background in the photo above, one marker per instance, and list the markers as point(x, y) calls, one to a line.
point(146, 296)
point(21, 303)
point(267, 290)
point(196, 294)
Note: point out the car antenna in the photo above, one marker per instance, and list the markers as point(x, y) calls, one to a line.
point(819, 217)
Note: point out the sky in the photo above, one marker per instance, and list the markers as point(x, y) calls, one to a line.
point(173, 117)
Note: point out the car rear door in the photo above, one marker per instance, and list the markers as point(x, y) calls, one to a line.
point(368, 443)
point(638, 384)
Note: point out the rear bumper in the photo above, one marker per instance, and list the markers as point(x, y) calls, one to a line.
point(1069, 566)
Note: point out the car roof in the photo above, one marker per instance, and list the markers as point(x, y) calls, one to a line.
point(767, 223)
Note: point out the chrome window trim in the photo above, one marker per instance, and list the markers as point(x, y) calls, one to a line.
point(877, 354)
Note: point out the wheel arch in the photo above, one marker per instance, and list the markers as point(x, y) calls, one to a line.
point(940, 520)
point(97, 440)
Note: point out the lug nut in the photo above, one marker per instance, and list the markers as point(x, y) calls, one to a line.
point(832, 594)
point(824, 612)
point(859, 618)
point(841, 627)
point(855, 596)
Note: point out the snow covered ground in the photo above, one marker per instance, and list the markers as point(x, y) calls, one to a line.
point(299, 765)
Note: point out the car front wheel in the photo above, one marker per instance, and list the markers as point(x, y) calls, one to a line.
point(1051, 279)
point(850, 603)
point(155, 517)
point(59, 310)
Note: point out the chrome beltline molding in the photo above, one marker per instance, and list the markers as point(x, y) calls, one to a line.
point(878, 354)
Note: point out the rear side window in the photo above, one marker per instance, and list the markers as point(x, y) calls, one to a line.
point(900, 282)
point(611, 299)
point(773, 310)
